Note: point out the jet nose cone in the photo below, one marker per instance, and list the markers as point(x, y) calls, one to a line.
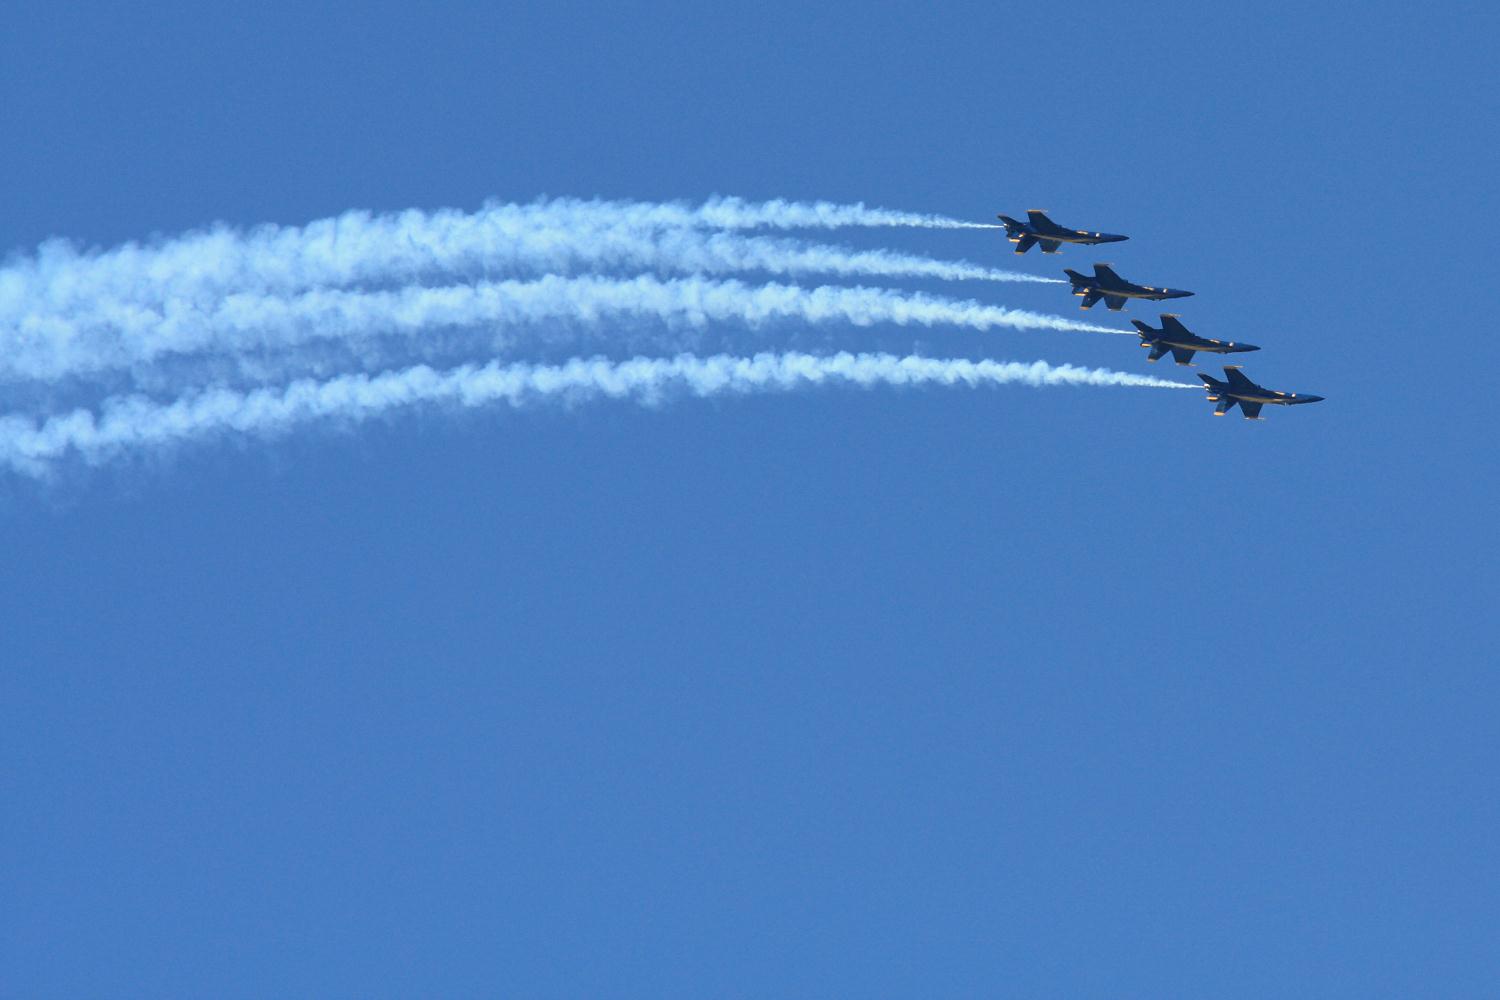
point(1181, 295)
point(1242, 348)
point(1311, 399)
point(1113, 238)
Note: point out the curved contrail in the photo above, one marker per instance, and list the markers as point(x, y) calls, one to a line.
point(557, 236)
point(120, 337)
point(133, 423)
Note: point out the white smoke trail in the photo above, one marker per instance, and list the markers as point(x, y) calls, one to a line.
point(737, 213)
point(31, 323)
point(558, 236)
point(134, 423)
point(688, 250)
point(122, 337)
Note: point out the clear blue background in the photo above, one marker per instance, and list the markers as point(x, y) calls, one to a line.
point(1029, 693)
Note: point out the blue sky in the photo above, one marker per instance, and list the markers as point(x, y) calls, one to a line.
point(1065, 692)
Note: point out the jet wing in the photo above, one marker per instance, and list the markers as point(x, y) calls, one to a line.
point(1090, 298)
point(1171, 324)
point(1226, 403)
point(1236, 379)
point(1252, 410)
point(1182, 355)
point(1051, 246)
point(1157, 350)
point(1026, 243)
point(1114, 302)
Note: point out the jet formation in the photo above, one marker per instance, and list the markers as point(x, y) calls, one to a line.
point(1173, 337)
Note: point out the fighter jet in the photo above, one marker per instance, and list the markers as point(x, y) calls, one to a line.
point(1040, 229)
point(1114, 290)
point(1251, 397)
point(1182, 342)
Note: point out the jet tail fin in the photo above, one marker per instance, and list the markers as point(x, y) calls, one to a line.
point(1011, 223)
point(1075, 277)
point(1146, 332)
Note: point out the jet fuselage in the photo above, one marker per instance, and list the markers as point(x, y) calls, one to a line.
point(1077, 236)
point(1134, 292)
point(1210, 346)
point(1260, 396)
point(1200, 344)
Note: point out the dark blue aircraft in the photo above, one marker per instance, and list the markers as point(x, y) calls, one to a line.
point(1182, 342)
point(1040, 229)
point(1238, 389)
point(1114, 290)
